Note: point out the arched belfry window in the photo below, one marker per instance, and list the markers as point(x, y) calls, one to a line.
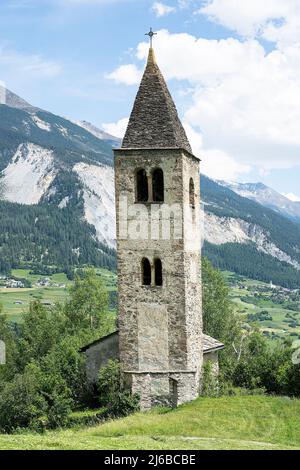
point(158, 185)
point(192, 193)
point(146, 272)
point(158, 272)
point(141, 186)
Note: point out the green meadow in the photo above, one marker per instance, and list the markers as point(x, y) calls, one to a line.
point(239, 423)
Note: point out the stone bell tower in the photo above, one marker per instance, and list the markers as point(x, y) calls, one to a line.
point(157, 180)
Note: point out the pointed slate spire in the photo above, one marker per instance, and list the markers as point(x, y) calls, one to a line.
point(154, 121)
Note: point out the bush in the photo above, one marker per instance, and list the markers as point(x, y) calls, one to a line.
point(58, 399)
point(59, 410)
point(45, 375)
point(34, 400)
point(21, 403)
point(119, 401)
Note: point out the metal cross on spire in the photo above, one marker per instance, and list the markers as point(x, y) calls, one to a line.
point(151, 34)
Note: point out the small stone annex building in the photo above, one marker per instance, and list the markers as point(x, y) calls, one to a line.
point(160, 343)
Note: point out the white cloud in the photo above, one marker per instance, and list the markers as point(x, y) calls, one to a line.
point(292, 197)
point(244, 103)
point(219, 165)
point(63, 3)
point(215, 163)
point(116, 129)
point(160, 9)
point(275, 20)
point(12, 63)
point(92, 2)
point(127, 74)
point(184, 3)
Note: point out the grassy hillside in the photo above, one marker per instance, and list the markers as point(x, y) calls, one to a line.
point(245, 422)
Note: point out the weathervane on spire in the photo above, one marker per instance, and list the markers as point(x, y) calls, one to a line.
point(150, 34)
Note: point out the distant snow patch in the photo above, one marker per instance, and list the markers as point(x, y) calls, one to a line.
point(30, 173)
point(292, 197)
point(63, 131)
point(99, 199)
point(26, 126)
point(45, 126)
point(100, 134)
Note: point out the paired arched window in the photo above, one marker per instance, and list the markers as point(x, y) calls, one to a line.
point(142, 186)
point(192, 193)
point(158, 185)
point(158, 272)
point(142, 194)
point(146, 272)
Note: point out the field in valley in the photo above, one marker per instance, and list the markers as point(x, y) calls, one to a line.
point(276, 311)
point(242, 422)
point(16, 301)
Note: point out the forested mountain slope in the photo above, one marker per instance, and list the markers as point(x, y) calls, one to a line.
point(57, 203)
point(245, 237)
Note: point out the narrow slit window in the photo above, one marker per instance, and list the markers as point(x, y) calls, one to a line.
point(158, 272)
point(146, 272)
point(192, 193)
point(158, 185)
point(141, 186)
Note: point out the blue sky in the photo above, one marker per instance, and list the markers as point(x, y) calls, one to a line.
point(232, 68)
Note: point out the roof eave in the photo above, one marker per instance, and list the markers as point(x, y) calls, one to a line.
point(217, 348)
point(138, 149)
point(97, 341)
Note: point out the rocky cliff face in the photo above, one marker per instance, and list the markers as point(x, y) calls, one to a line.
point(223, 230)
point(49, 161)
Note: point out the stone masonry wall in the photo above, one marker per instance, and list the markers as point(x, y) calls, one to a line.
point(180, 295)
point(157, 389)
point(98, 355)
point(212, 357)
point(192, 266)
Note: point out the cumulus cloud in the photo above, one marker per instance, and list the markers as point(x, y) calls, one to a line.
point(160, 9)
point(274, 20)
point(116, 129)
point(244, 103)
point(215, 162)
point(127, 74)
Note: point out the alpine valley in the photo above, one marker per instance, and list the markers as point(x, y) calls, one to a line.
point(57, 204)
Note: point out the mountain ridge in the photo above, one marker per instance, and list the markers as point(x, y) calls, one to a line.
point(267, 197)
point(55, 170)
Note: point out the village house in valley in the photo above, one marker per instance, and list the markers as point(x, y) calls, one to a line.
point(160, 342)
